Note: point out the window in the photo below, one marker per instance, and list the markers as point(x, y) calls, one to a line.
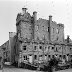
point(35, 56)
point(25, 57)
point(60, 56)
point(67, 54)
point(24, 47)
point(53, 30)
point(57, 38)
point(56, 49)
point(45, 48)
point(40, 55)
point(52, 56)
point(45, 55)
point(49, 56)
point(52, 47)
point(57, 30)
point(49, 47)
point(35, 47)
point(70, 48)
point(64, 56)
point(48, 29)
point(40, 47)
point(71, 55)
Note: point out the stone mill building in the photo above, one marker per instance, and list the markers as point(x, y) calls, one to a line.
point(37, 41)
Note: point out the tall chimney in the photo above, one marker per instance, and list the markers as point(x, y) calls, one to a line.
point(50, 18)
point(49, 27)
point(68, 38)
point(35, 16)
point(24, 10)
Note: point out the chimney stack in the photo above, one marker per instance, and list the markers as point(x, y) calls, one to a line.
point(50, 18)
point(50, 21)
point(24, 10)
point(35, 16)
point(68, 38)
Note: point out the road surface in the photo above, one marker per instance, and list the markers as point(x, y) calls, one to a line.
point(67, 70)
point(13, 69)
point(25, 70)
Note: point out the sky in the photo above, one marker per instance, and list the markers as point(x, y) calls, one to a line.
point(61, 11)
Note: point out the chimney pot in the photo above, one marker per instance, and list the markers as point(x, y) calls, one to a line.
point(50, 17)
point(24, 10)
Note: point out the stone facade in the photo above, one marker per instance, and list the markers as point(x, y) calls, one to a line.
point(5, 51)
point(39, 40)
point(12, 45)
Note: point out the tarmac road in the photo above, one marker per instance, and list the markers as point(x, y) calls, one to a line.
point(13, 69)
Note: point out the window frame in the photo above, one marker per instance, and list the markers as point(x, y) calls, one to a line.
point(24, 48)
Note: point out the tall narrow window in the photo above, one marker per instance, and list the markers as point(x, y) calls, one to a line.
point(48, 29)
point(35, 47)
point(35, 56)
point(57, 30)
point(53, 30)
point(56, 49)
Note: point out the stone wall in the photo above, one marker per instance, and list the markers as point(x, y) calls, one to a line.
point(12, 45)
point(57, 32)
point(41, 30)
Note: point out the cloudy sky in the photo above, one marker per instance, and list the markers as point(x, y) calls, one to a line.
point(61, 10)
